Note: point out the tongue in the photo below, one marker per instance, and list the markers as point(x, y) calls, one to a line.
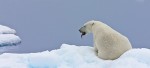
point(83, 34)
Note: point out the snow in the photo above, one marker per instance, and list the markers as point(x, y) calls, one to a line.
point(6, 30)
point(8, 37)
point(72, 56)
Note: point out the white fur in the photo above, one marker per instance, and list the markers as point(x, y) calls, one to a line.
point(108, 43)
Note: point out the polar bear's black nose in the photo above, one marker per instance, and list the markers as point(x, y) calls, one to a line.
point(79, 30)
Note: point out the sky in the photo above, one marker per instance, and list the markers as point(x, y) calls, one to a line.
point(46, 24)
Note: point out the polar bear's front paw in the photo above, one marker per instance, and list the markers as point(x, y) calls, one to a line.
point(96, 51)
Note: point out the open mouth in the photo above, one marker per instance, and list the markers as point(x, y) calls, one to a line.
point(83, 33)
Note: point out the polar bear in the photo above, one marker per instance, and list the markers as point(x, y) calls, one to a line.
point(108, 43)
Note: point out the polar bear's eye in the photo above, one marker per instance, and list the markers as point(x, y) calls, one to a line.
point(84, 26)
point(92, 23)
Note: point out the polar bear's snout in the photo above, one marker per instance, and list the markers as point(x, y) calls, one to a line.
point(82, 31)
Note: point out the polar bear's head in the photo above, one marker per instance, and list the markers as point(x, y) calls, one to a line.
point(86, 28)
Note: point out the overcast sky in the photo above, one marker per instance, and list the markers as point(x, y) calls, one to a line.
point(46, 24)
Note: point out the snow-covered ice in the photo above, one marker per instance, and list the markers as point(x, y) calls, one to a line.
point(8, 37)
point(6, 30)
point(9, 40)
point(72, 56)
